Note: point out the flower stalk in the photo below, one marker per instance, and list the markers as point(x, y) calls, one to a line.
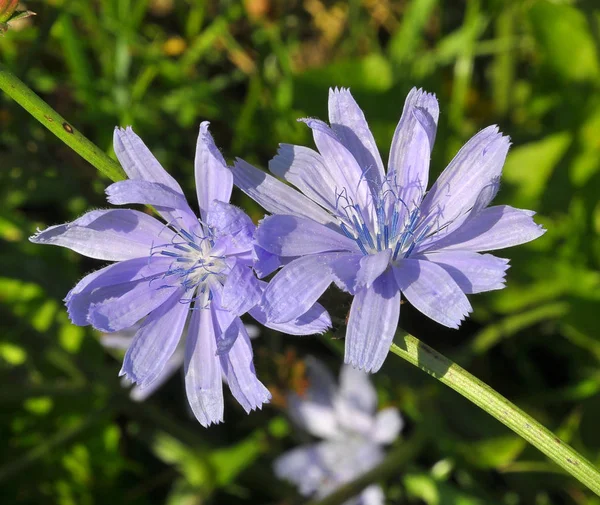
point(40, 110)
point(449, 373)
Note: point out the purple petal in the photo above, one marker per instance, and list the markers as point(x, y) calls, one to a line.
point(305, 169)
point(214, 180)
point(111, 235)
point(297, 236)
point(432, 291)
point(172, 206)
point(322, 387)
point(146, 193)
point(274, 196)
point(223, 316)
point(345, 270)
point(120, 306)
point(356, 401)
point(137, 160)
point(388, 424)
point(174, 363)
point(266, 263)
point(356, 389)
point(314, 321)
point(493, 228)
point(304, 467)
point(473, 272)
point(233, 229)
point(297, 286)
point(123, 274)
point(314, 411)
point(371, 267)
point(241, 291)
point(349, 124)
point(341, 165)
point(316, 418)
point(155, 342)
point(477, 165)
point(373, 320)
point(227, 219)
point(228, 337)
point(119, 340)
point(116, 341)
point(203, 382)
point(240, 373)
point(372, 495)
point(412, 145)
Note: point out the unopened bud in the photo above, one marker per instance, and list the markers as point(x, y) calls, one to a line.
point(7, 9)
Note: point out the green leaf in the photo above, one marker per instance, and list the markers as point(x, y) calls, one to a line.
point(564, 36)
point(493, 452)
point(372, 73)
point(407, 39)
point(530, 166)
point(424, 487)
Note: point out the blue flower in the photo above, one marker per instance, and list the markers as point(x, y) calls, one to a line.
point(122, 340)
point(377, 233)
point(353, 434)
point(166, 271)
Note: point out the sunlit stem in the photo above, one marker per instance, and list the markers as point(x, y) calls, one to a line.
point(449, 373)
point(40, 110)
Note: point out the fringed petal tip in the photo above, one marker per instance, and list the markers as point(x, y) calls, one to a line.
point(317, 124)
point(206, 137)
point(363, 367)
point(256, 398)
point(35, 237)
point(210, 423)
point(421, 94)
point(44, 236)
point(140, 386)
point(207, 422)
point(339, 92)
point(466, 312)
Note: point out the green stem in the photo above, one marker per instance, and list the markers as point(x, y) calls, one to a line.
point(20, 93)
point(449, 373)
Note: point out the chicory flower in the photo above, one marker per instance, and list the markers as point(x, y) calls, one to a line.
point(182, 271)
point(378, 233)
point(353, 434)
point(122, 340)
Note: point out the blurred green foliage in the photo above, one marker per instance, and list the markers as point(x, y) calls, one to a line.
point(68, 431)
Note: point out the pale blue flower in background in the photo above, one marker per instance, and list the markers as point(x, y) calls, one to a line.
point(182, 271)
point(353, 434)
point(379, 234)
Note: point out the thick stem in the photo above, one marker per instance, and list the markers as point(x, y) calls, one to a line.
point(26, 98)
point(448, 372)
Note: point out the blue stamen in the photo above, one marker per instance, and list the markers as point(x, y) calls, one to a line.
point(361, 247)
point(386, 236)
point(186, 235)
point(410, 249)
point(396, 251)
point(347, 231)
point(367, 235)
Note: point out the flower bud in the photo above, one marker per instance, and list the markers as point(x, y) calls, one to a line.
point(7, 8)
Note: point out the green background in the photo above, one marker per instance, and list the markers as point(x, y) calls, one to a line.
point(69, 433)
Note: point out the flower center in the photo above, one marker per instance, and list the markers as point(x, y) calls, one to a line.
point(195, 265)
point(390, 224)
